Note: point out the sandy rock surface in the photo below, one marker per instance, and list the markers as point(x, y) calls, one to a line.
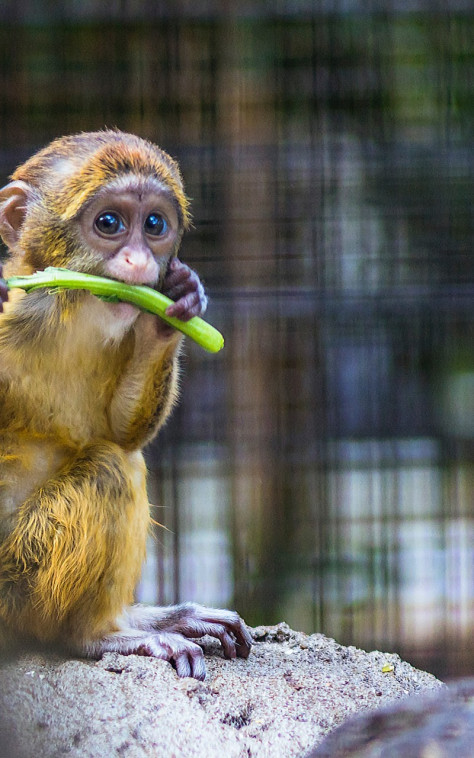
point(291, 692)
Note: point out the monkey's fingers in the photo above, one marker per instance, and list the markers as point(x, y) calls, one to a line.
point(179, 277)
point(183, 286)
point(226, 626)
point(237, 628)
point(229, 645)
point(187, 664)
point(184, 655)
point(187, 657)
point(177, 271)
point(186, 307)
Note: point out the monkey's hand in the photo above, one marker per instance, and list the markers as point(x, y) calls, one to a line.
point(3, 290)
point(183, 285)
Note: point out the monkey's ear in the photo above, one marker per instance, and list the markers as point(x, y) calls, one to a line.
point(13, 203)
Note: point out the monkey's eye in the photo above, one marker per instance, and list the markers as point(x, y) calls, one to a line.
point(109, 223)
point(155, 224)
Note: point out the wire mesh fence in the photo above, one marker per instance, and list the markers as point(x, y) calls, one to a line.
point(320, 469)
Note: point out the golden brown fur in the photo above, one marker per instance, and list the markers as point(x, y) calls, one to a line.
point(64, 440)
point(83, 386)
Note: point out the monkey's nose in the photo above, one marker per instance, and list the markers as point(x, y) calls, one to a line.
point(134, 265)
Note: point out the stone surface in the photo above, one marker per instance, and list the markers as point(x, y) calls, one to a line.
point(291, 692)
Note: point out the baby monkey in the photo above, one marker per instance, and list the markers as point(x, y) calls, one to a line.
point(84, 385)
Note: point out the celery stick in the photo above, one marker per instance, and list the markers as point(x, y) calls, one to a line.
point(144, 297)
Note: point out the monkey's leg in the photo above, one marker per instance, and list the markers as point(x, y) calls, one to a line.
point(72, 556)
point(187, 657)
point(69, 566)
point(165, 632)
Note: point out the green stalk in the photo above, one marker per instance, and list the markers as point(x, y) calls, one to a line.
point(144, 297)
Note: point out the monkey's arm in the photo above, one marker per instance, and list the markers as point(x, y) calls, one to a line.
point(148, 388)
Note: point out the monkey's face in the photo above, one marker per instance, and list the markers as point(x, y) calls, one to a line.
point(132, 230)
point(105, 203)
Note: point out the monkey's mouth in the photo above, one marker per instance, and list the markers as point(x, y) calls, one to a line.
point(134, 282)
point(137, 281)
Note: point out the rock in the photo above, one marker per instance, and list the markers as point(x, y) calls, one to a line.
point(292, 691)
point(435, 725)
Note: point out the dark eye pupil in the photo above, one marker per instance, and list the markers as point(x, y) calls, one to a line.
point(108, 223)
point(155, 224)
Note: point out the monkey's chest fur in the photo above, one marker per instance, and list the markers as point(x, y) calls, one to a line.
point(74, 512)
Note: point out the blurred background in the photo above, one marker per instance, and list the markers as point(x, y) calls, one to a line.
point(319, 470)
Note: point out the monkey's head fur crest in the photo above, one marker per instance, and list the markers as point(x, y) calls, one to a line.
point(60, 180)
point(71, 169)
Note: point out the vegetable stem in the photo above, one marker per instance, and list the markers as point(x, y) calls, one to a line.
point(142, 296)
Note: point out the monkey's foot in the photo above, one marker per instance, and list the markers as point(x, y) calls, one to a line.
point(193, 621)
point(185, 656)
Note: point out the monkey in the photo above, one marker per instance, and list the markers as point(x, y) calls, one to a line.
point(85, 384)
